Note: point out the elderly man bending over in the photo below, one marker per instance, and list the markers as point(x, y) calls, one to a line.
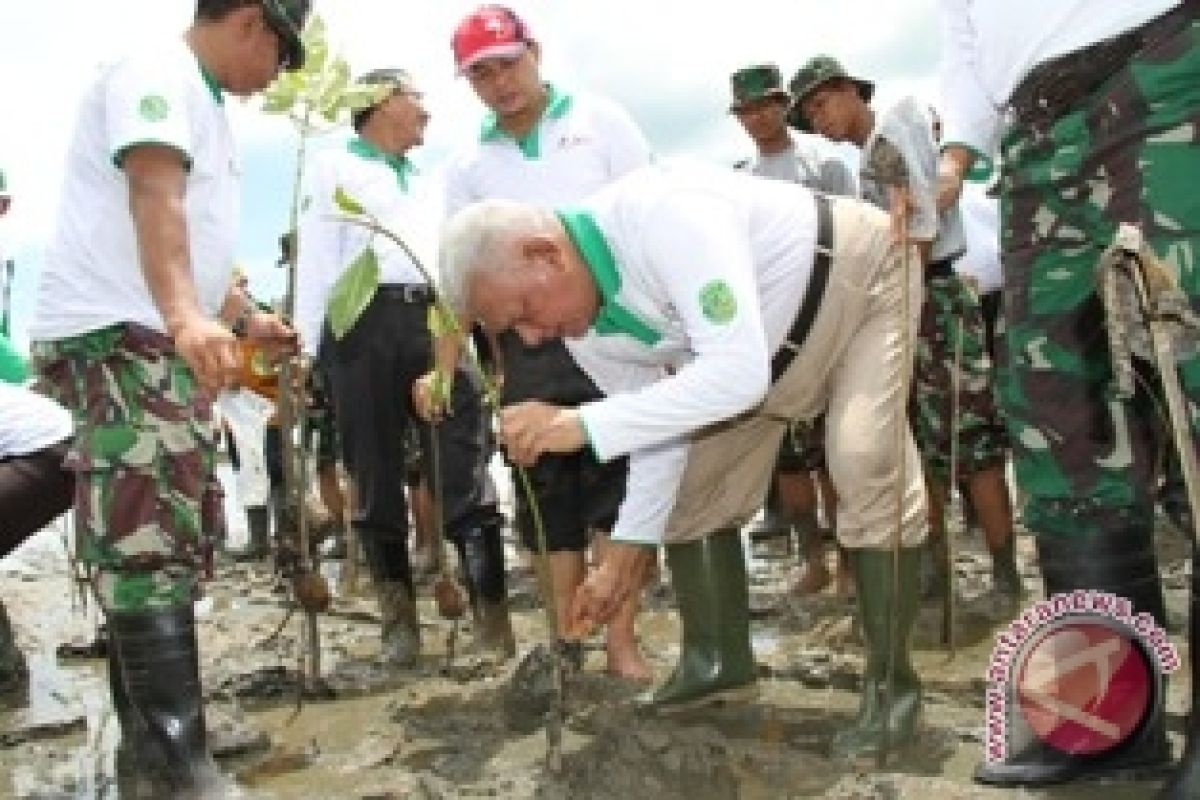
point(728, 306)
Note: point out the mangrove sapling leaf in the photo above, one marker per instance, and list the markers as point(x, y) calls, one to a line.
point(352, 292)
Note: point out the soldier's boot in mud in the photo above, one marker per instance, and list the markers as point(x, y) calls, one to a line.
point(1006, 578)
point(155, 680)
point(386, 554)
point(887, 611)
point(1123, 563)
point(716, 661)
point(258, 526)
point(14, 672)
point(481, 560)
point(1184, 783)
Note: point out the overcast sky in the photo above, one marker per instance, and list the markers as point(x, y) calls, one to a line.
point(667, 61)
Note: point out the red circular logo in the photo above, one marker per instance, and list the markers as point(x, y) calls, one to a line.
point(1084, 687)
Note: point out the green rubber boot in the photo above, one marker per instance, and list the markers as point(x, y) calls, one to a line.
point(715, 659)
point(875, 574)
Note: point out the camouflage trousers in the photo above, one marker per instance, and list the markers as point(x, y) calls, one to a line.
point(1127, 152)
point(951, 315)
point(147, 502)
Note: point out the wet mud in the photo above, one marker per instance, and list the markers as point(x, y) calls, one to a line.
point(461, 725)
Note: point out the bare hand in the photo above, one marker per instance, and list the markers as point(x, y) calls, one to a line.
point(272, 333)
point(531, 428)
point(210, 349)
point(429, 401)
point(623, 569)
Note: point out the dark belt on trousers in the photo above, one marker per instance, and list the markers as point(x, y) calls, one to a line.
point(1053, 88)
point(417, 293)
point(822, 259)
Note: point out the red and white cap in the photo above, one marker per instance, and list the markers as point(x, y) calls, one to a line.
point(491, 31)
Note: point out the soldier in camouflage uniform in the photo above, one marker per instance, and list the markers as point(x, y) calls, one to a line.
point(1096, 125)
point(134, 332)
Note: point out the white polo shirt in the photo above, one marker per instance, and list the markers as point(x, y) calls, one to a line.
point(981, 223)
point(582, 143)
point(387, 186)
point(701, 271)
point(909, 126)
point(92, 275)
point(29, 421)
point(989, 47)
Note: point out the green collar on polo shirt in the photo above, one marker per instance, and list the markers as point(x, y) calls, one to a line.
point(612, 317)
point(530, 145)
point(212, 83)
point(399, 164)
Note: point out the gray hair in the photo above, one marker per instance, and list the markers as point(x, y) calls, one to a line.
point(474, 241)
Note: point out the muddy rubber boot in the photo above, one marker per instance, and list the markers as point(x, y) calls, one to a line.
point(258, 525)
point(875, 573)
point(157, 694)
point(1122, 562)
point(481, 559)
point(386, 554)
point(1184, 783)
point(400, 632)
point(716, 661)
point(14, 672)
point(1006, 579)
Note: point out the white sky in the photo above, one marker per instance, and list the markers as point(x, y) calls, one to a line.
point(667, 61)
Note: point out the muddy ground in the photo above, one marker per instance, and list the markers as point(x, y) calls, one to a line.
point(467, 727)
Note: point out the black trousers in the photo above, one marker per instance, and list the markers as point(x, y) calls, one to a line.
point(34, 489)
point(371, 372)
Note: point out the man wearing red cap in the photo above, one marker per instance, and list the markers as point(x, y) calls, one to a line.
point(541, 145)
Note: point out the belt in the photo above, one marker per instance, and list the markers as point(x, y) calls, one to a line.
point(822, 257)
point(1053, 88)
point(417, 293)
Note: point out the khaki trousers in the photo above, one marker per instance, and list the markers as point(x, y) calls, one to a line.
point(853, 367)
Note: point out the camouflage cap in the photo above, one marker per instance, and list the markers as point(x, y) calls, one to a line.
point(817, 72)
point(287, 19)
point(754, 83)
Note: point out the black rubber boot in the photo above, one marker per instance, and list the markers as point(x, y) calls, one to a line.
point(387, 558)
point(716, 661)
point(155, 681)
point(1123, 563)
point(258, 544)
point(14, 673)
point(481, 559)
point(1184, 783)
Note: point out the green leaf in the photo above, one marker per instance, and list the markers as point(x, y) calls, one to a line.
point(353, 292)
point(348, 204)
point(441, 322)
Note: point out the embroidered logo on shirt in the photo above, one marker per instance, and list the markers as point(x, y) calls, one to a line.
point(153, 108)
point(717, 302)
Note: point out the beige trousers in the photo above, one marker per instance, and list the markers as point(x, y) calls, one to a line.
point(852, 366)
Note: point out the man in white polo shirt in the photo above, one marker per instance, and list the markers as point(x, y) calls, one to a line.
point(541, 144)
point(134, 332)
point(371, 366)
point(790, 304)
